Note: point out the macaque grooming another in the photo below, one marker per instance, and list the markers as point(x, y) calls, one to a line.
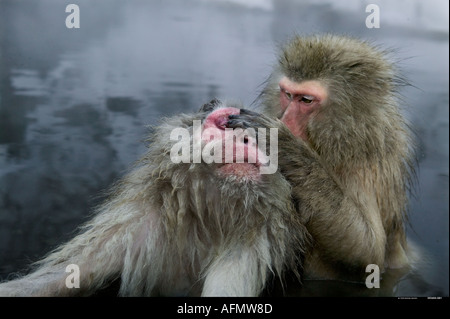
point(346, 150)
point(181, 229)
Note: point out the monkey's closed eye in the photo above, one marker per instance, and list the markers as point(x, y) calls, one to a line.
point(307, 99)
point(289, 95)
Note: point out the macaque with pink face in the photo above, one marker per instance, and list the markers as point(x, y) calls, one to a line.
point(181, 229)
point(298, 101)
point(345, 148)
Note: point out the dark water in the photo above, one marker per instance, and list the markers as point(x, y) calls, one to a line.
point(74, 104)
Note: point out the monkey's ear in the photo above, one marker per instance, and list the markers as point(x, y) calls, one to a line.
point(211, 105)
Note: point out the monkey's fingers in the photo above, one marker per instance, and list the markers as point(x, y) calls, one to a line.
point(236, 122)
point(250, 119)
point(239, 123)
point(248, 112)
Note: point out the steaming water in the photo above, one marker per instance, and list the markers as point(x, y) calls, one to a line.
point(75, 103)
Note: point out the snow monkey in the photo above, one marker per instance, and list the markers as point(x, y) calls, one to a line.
point(346, 150)
point(171, 228)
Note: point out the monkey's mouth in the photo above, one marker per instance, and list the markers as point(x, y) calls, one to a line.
point(240, 156)
point(244, 165)
point(240, 171)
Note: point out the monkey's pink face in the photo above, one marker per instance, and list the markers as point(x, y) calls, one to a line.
point(240, 155)
point(298, 101)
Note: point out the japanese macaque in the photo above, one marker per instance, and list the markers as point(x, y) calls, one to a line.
point(171, 228)
point(346, 150)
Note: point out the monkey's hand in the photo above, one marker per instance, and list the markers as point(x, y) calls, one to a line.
point(296, 153)
point(249, 119)
point(298, 162)
point(324, 204)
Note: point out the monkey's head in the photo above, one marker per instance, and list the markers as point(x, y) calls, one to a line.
point(192, 178)
point(236, 152)
point(331, 90)
point(202, 143)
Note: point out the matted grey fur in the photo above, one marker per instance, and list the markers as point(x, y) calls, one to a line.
point(177, 230)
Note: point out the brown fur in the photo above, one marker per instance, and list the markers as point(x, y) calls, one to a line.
point(352, 175)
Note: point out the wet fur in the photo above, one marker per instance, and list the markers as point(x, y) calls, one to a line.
point(351, 178)
point(177, 229)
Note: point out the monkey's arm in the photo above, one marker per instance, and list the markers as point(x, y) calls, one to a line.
point(347, 230)
point(97, 253)
point(239, 271)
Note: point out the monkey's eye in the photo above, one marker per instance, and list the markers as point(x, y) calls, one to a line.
point(307, 99)
point(288, 94)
